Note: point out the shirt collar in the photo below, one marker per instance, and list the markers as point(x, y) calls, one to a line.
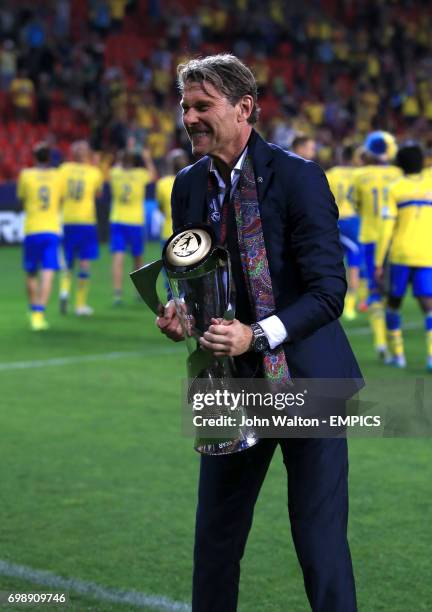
point(235, 171)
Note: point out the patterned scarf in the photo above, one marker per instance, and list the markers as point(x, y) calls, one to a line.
point(254, 259)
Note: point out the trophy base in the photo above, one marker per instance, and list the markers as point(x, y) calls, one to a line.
point(206, 446)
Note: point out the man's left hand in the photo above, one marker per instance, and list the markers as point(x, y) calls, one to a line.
point(227, 338)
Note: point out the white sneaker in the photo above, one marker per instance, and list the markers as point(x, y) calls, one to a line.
point(398, 361)
point(84, 311)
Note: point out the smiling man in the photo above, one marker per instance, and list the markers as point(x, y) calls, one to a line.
point(275, 214)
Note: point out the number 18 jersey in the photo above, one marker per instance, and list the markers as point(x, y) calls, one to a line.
point(39, 189)
point(80, 184)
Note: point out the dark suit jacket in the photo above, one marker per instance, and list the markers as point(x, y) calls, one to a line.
point(299, 222)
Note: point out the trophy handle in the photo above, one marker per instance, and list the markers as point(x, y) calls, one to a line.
point(145, 280)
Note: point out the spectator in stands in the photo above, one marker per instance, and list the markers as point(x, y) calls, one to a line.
point(117, 11)
point(354, 92)
point(22, 95)
point(8, 64)
point(305, 146)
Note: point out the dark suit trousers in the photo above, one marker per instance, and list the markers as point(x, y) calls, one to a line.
point(318, 510)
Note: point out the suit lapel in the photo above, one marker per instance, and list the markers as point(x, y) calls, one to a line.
point(262, 156)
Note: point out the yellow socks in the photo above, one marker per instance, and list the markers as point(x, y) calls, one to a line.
point(82, 289)
point(395, 342)
point(65, 283)
point(395, 339)
point(349, 312)
point(362, 292)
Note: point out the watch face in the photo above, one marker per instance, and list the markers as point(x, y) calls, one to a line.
point(261, 343)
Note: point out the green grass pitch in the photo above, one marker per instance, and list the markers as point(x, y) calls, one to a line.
point(98, 484)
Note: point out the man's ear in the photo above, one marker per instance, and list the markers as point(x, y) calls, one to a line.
point(245, 106)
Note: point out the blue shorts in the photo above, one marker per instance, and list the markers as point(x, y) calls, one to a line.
point(349, 232)
point(369, 260)
point(80, 241)
point(127, 237)
point(401, 276)
point(41, 251)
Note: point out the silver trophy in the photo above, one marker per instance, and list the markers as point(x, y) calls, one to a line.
point(199, 277)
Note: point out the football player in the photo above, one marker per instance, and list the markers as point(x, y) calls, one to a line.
point(370, 182)
point(39, 191)
point(128, 184)
point(341, 181)
point(81, 182)
point(407, 228)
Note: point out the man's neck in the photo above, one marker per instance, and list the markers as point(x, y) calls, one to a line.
point(225, 166)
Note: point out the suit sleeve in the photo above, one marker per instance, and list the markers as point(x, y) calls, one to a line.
point(318, 255)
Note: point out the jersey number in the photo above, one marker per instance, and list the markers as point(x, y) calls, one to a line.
point(75, 189)
point(44, 197)
point(125, 193)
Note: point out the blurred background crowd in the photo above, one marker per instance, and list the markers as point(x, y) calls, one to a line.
point(104, 70)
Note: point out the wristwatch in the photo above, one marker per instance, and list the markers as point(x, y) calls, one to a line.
point(259, 342)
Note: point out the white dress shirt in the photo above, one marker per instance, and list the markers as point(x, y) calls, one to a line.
point(272, 326)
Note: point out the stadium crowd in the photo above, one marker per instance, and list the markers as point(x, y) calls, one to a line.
point(105, 70)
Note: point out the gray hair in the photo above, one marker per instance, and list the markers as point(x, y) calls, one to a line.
point(226, 73)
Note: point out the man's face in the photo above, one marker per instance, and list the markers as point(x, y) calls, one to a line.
point(211, 121)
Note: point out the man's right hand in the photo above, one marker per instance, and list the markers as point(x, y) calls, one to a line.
point(169, 323)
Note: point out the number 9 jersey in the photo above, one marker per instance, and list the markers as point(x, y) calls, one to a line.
point(39, 189)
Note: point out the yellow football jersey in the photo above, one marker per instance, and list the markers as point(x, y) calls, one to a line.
point(128, 195)
point(369, 185)
point(80, 185)
point(39, 189)
point(163, 196)
point(341, 181)
point(407, 222)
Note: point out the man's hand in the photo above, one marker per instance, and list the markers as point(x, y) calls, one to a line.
point(227, 338)
point(169, 323)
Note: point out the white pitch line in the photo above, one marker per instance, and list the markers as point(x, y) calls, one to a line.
point(62, 361)
point(48, 579)
point(366, 330)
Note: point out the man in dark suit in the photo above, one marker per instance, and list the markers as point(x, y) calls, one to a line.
point(275, 214)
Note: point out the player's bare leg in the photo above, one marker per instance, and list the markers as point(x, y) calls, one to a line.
point(39, 290)
point(45, 286)
point(117, 275)
point(426, 306)
point(32, 288)
point(81, 306)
